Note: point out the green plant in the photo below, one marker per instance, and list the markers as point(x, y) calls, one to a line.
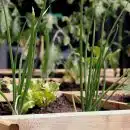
point(13, 18)
point(73, 22)
point(40, 94)
point(92, 101)
point(71, 66)
point(49, 58)
point(20, 91)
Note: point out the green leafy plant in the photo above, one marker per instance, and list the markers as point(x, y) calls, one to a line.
point(13, 18)
point(40, 94)
point(91, 101)
point(20, 91)
point(49, 58)
point(71, 66)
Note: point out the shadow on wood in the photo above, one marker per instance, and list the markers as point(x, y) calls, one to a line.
point(7, 125)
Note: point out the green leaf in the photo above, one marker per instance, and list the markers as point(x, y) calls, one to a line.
point(16, 27)
point(48, 63)
point(40, 94)
point(96, 51)
point(70, 1)
point(28, 105)
point(3, 22)
point(15, 12)
point(40, 3)
point(66, 40)
point(113, 58)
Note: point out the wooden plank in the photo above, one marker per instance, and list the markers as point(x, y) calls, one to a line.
point(111, 80)
point(109, 104)
point(9, 96)
point(37, 72)
point(7, 125)
point(9, 80)
point(102, 120)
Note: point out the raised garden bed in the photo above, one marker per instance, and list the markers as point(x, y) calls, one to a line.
point(64, 103)
point(41, 119)
point(71, 121)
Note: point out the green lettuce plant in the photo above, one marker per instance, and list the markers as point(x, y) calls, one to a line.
point(40, 94)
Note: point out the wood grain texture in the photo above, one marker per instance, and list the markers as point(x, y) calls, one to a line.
point(37, 72)
point(7, 125)
point(9, 96)
point(109, 104)
point(109, 80)
point(108, 120)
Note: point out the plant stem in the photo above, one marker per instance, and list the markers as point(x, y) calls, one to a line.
point(10, 106)
point(111, 87)
point(11, 53)
point(81, 53)
point(85, 71)
point(90, 87)
point(30, 65)
point(45, 59)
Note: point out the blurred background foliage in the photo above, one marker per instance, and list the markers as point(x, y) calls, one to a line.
point(63, 23)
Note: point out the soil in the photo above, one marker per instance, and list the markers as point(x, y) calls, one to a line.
point(58, 75)
point(69, 87)
point(60, 105)
point(4, 88)
point(4, 109)
point(65, 86)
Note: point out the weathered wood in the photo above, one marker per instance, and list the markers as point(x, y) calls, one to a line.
point(9, 80)
point(37, 72)
point(9, 96)
point(102, 120)
point(109, 104)
point(111, 80)
point(7, 125)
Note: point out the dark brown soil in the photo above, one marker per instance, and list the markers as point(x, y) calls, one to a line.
point(4, 88)
point(73, 87)
point(4, 109)
point(60, 105)
point(69, 87)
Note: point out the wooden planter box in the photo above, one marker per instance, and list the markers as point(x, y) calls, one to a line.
point(102, 120)
point(109, 120)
